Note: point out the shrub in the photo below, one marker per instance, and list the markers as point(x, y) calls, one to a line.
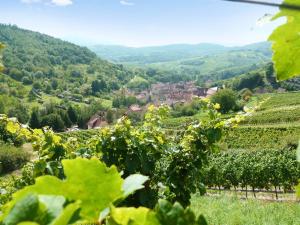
point(12, 158)
point(227, 98)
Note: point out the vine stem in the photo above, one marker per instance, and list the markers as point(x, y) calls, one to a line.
point(283, 5)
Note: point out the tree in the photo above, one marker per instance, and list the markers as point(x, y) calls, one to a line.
point(35, 121)
point(20, 112)
point(76, 74)
point(37, 85)
point(54, 84)
point(109, 116)
point(16, 74)
point(227, 98)
point(1, 65)
point(48, 89)
point(65, 118)
point(98, 86)
point(250, 81)
point(72, 115)
point(26, 80)
point(2, 107)
point(54, 121)
point(138, 83)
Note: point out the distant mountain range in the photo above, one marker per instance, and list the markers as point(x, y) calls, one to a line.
point(177, 52)
point(182, 62)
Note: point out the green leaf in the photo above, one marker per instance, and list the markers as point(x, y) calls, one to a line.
point(88, 181)
point(67, 214)
point(12, 127)
point(133, 183)
point(24, 210)
point(53, 204)
point(286, 43)
point(201, 220)
point(133, 216)
point(176, 215)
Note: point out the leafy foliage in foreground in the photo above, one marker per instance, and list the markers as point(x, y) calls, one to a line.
point(286, 40)
point(171, 164)
point(90, 189)
point(165, 161)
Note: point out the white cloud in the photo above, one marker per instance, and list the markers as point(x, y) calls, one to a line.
point(30, 1)
point(127, 3)
point(50, 2)
point(62, 2)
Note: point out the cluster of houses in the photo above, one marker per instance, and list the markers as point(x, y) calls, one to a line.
point(157, 94)
point(172, 93)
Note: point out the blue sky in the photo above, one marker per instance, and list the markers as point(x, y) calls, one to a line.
point(141, 22)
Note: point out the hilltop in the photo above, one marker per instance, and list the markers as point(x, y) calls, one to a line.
point(182, 62)
point(52, 66)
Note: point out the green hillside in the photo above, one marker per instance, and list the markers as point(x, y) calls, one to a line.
point(45, 79)
point(202, 62)
point(274, 125)
point(53, 66)
point(147, 55)
point(168, 53)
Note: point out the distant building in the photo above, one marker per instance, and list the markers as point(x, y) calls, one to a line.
point(135, 108)
point(172, 93)
point(97, 121)
point(211, 91)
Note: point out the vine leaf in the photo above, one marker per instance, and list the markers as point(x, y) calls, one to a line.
point(87, 181)
point(41, 209)
point(286, 43)
point(176, 214)
point(133, 183)
point(133, 216)
point(24, 210)
point(67, 214)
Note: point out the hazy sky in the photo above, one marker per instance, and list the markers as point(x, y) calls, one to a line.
point(141, 22)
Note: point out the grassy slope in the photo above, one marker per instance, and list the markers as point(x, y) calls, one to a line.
point(276, 108)
point(226, 210)
point(274, 125)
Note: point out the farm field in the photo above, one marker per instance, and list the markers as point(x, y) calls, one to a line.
point(230, 210)
point(276, 108)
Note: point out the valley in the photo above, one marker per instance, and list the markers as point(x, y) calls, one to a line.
point(192, 134)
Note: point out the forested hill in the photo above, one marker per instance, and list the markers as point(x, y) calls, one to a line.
point(52, 65)
point(202, 62)
point(176, 52)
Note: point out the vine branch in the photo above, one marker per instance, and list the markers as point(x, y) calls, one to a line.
point(282, 5)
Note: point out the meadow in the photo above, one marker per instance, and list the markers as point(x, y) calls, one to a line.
point(231, 210)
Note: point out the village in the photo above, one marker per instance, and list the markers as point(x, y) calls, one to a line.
point(157, 94)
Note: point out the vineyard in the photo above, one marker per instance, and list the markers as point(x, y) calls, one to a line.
point(67, 183)
point(280, 100)
point(261, 137)
point(279, 108)
point(258, 169)
point(165, 168)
